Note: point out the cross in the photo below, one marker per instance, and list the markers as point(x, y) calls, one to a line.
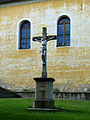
point(44, 39)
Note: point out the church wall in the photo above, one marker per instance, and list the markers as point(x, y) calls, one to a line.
point(70, 66)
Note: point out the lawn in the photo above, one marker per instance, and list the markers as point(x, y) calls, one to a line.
point(15, 109)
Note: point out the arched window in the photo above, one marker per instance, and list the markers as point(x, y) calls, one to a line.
point(63, 31)
point(24, 35)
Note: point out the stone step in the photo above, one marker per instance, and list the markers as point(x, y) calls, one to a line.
point(4, 93)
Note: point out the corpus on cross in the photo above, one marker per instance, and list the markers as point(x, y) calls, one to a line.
point(44, 39)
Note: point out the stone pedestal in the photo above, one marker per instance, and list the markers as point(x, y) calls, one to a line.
point(44, 93)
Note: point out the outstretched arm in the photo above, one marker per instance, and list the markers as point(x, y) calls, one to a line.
point(38, 39)
point(53, 37)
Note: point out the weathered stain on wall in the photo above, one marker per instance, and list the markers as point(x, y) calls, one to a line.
point(70, 66)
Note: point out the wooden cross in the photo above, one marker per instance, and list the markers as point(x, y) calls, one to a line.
point(44, 39)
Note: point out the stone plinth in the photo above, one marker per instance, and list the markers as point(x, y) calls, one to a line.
point(44, 93)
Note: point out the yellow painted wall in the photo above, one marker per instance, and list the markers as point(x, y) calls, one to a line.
point(70, 66)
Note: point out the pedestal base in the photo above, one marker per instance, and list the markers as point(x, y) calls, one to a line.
point(44, 93)
point(43, 109)
point(44, 104)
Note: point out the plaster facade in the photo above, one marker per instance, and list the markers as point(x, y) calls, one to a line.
point(69, 66)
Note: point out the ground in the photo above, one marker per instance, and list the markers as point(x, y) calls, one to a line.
point(15, 109)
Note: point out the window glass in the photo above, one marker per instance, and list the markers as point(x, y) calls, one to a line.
point(67, 28)
point(25, 24)
point(28, 43)
point(60, 29)
point(60, 40)
point(22, 43)
point(23, 33)
point(28, 32)
point(67, 40)
point(64, 20)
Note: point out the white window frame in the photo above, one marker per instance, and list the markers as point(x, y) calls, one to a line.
point(18, 33)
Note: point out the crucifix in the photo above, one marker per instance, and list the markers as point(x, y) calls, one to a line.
point(44, 39)
point(44, 85)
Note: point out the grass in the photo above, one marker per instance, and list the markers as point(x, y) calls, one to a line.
point(15, 109)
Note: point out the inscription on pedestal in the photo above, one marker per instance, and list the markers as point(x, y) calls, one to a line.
point(42, 92)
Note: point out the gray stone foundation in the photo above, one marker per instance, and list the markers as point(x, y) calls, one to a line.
point(44, 93)
point(44, 104)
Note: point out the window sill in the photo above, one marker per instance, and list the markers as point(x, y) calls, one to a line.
point(63, 46)
point(24, 48)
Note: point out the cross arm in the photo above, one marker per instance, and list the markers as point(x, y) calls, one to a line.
point(51, 37)
point(38, 39)
point(48, 38)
